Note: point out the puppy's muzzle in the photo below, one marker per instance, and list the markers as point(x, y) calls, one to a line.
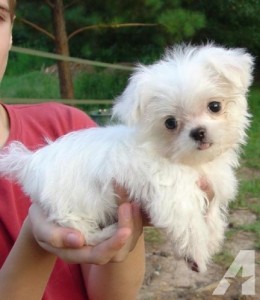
point(198, 134)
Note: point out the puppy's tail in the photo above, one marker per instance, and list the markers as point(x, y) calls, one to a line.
point(14, 160)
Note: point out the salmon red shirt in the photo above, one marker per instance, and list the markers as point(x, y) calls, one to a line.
point(32, 124)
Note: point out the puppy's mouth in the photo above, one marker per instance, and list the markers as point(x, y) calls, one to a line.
point(199, 135)
point(204, 145)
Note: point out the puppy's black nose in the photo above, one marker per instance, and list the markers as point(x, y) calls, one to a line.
point(198, 134)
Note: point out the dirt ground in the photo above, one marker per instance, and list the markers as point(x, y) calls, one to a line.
point(169, 279)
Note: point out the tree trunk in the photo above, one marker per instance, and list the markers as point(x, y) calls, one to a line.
point(62, 47)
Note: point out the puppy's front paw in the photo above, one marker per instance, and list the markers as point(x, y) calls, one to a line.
point(192, 264)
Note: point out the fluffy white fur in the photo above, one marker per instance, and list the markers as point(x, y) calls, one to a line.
point(72, 178)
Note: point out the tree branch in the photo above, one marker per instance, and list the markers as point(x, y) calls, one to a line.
point(35, 26)
point(71, 4)
point(113, 26)
point(49, 3)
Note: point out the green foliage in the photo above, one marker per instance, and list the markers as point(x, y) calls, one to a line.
point(38, 13)
point(181, 24)
point(231, 22)
point(102, 85)
point(154, 5)
point(172, 23)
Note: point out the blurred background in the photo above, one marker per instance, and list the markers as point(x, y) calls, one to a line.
point(115, 32)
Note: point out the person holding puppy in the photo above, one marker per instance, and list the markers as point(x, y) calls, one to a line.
point(30, 245)
point(38, 259)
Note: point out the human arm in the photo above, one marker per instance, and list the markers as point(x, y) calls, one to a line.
point(121, 280)
point(27, 268)
point(116, 265)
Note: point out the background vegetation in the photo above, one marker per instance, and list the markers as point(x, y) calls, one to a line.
point(121, 32)
point(95, 28)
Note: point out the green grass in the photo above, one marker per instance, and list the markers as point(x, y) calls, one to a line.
point(20, 64)
point(255, 228)
point(223, 258)
point(248, 197)
point(38, 85)
point(34, 84)
point(251, 155)
point(101, 85)
point(153, 236)
point(249, 188)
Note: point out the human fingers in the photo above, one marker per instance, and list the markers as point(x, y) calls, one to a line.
point(117, 248)
point(129, 216)
point(106, 251)
point(50, 235)
point(68, 243)
point(122, 196)
point(57, 240)
point(205, 186)
point(100, 254)
point(121, 193)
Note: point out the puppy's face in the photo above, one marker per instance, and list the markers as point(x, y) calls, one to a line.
point(193, 120)
point(189, 107)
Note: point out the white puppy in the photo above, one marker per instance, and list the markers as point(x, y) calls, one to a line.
point(185, 118)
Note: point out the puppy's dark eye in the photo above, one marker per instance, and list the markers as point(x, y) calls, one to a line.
point(214, 106)
point(171, 123)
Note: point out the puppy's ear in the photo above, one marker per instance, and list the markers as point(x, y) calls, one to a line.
point(235, 65)
point(129, 105)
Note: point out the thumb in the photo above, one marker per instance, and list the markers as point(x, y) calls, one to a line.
point(46, 232)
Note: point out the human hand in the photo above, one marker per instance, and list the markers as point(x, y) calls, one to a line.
point(205, 186)
point(69, 244)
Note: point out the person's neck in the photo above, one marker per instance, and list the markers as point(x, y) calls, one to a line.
point(4, 126)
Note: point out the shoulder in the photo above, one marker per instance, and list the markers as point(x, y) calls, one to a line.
point(50, 120)
point(58, 114)
point(67, 116)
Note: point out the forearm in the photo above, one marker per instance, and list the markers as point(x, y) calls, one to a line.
point(26, 270)
point(117, 281)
